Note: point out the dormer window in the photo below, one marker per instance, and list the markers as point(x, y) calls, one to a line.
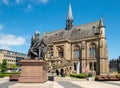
point(79, 29)
point(93, 27)
point(56, 34)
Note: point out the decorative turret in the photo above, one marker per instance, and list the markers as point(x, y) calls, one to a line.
point(103, 53)
point(102, 27)
point(69, 20)
point(101, 22)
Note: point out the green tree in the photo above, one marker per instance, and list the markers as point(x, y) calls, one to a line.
point(12, 66)
point(4, 65)
point(0, 67)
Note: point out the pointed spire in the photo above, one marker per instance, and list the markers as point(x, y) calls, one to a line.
point(69, 20)
point(101, 22)
point(70, 16)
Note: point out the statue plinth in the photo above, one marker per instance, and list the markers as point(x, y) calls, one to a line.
point(33, 71)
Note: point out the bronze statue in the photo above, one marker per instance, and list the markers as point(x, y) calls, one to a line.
point(38, 47)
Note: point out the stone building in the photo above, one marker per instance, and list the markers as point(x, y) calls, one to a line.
point(78, 49)
point(11, 57)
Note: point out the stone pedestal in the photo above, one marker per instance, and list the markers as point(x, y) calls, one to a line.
point(33, 71)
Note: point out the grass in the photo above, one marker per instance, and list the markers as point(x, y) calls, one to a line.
point(118, 75)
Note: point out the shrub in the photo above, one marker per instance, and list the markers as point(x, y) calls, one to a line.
point(11, 73)
point(6, 74)
point(73, 75)
point(82, 76)
point(1, 75)
point(118, 75)
point(79, 75)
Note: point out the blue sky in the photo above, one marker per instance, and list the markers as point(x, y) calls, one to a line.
point(19, 19)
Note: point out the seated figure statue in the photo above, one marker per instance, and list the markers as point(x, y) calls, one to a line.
point(38, 48)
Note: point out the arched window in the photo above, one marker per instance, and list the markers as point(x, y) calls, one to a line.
point(76, 52)
point(51, 52)
point(60, 52)
point(92, 50)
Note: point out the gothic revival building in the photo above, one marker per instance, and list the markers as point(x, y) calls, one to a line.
point(78, 49)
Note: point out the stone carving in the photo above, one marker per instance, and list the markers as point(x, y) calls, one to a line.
point(38, 47)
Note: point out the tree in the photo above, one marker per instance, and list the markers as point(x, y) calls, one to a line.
point(4, 65)
point(12, 66)
point(0, 67)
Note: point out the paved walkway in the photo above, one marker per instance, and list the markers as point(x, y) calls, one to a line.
point(6, 84)
point(67, 84)
point(116, 83)
point(76, 84)
point(97, 84)
point(2, 80)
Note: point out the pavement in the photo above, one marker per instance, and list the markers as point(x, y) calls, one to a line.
point(67, 84)
point(97, 84)
point(5, 79)
point(4, 83)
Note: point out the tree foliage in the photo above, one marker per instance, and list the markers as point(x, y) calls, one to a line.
point(12, 66)
point(3, 65)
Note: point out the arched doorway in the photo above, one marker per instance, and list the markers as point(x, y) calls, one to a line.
point(90, 66)
point(75, 66)
point(94, 66)
point(57, 72)
point(62, 72)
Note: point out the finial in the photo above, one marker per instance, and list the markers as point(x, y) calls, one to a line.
point(101, 22)
point(70, 16)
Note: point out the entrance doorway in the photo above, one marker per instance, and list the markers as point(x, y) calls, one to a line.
point(62, 73)
point(57, 72)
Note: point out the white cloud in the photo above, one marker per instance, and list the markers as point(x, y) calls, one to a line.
point(6, 2)
point(13, 2)
point(5, 47)
point(11, 40)
point(1, 26)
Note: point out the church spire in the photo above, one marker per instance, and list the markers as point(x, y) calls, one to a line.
point(69, 20)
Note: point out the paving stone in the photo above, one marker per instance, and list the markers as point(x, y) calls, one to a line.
point(67, 84)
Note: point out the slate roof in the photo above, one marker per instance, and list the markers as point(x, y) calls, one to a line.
point(77, 32)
